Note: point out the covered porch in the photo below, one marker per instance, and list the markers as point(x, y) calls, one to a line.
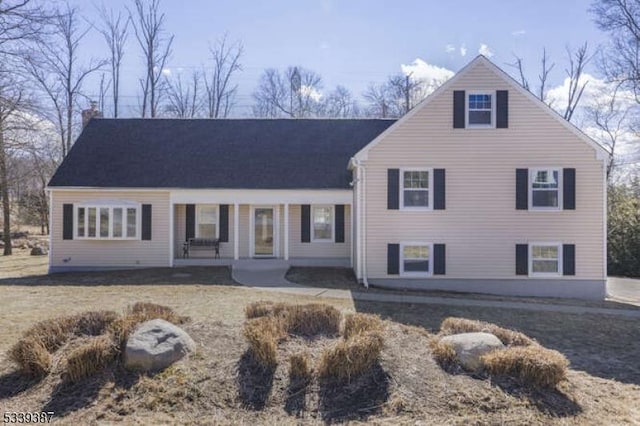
point(306, 228)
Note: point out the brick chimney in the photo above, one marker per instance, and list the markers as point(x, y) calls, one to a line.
point(88, 114)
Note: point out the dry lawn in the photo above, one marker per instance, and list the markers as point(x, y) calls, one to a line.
point(220, 384)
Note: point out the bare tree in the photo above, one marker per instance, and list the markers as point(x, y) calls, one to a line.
point(621, 60)
point(183, 100)
point(114, 30)
point(545, 70)
point(381, 102)
point(57, 69)
point(148, 26)
point(406, 92)
point(220, 91)
point(577, 61)
point(294, 93)
point(341, 104)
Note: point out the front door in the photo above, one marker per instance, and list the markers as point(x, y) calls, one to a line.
point(263, 232)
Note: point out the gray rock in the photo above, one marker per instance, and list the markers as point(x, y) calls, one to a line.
point(38, 251)
point(470, 347)
point(155, 345)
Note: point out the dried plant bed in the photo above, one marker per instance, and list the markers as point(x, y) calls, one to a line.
point(106, 331)
point(443, 353)
point(508, 337)
point(351, 357)
point(358, 323)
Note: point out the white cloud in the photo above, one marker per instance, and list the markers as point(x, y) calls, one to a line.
point(166, 72)
point(311, 92)
point(463, 50)
point(432, 76)
point(449, 48)
point(518, 33)
point(485, 51)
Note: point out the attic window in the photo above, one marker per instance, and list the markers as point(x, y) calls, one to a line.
point(480, 110)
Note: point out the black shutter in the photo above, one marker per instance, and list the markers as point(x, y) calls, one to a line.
point(439, 189)
point(439, 259)
point(458, 109)
point(224, 223)
point(190, 231)
point(393, 259)
point(393, 189)
point(569, 189)
point(305, 224)
point(67, 221)
point(522, 259)
point(568, 259)
point(146, 222)
point(502, 109)
point(522, 189)
point(339, 223)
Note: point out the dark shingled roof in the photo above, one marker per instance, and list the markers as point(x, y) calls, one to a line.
point(249, 154)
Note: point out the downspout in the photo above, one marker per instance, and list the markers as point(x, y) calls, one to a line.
point(50, 228)
point(364, 226)
point(361, 222)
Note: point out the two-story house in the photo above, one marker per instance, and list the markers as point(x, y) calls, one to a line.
point(480, 188)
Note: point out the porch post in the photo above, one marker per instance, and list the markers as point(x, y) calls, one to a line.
point(172, 231)
point(236, 231)
point(286, 231)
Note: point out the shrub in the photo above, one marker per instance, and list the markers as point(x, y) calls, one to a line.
point(90, 358)
point(453, 325)
point(358, 323)
point(264, 308)
point(299, 367)
point(52, 333)
point(31, 356)
point(313, 319)
point(351, 358)
point(150, 311)
point(262, 334)
point(93, 323)
point(442, 352)
point(532, 365)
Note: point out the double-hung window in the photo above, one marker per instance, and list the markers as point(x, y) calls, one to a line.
point(207, 221)
point(415, 189)
point(107, 222)
point(544, 189)
point(322, 223)
point(416, 259)
point(545, 259)
point(480, 110)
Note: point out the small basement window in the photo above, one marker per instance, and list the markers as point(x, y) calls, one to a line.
point(416, 259)
point(107, 222)
point(480, 110)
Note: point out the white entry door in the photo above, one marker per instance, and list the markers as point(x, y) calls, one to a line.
point(264, 231)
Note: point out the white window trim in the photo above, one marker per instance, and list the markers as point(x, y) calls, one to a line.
point(545, 274)
point(198, 207)
point(111, 207)
point(532, 172)
point(333, 224)
point(429, 188)
point(416, 274)
point(493, 110)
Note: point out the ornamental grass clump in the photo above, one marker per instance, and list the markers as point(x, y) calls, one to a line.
point(91, 357)
point(359, 323)
point(352, 357)
point(532, 365)
point(313, 319)
point(262, 334)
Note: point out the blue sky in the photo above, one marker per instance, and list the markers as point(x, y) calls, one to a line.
point(354, 42)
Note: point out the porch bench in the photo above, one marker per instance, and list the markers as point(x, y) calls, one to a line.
point(202, 244)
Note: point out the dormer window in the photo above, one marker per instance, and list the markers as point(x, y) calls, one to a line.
point(480, 110)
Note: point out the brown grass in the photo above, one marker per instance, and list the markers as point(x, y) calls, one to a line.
point(454, 325)
point(350, 358)
point(300, 367)
point(154, 311)
point(91, 357)
point(442, 352)
point(262, 334)
point(31, 356)
point(264, 308)
point(532, 365)
point(359, 323)
point(313, 319)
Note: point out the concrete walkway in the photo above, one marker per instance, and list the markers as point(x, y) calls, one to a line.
point(272, 278)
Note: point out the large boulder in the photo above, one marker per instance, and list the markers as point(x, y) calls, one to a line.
point(155, 345)
point(470, 347)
